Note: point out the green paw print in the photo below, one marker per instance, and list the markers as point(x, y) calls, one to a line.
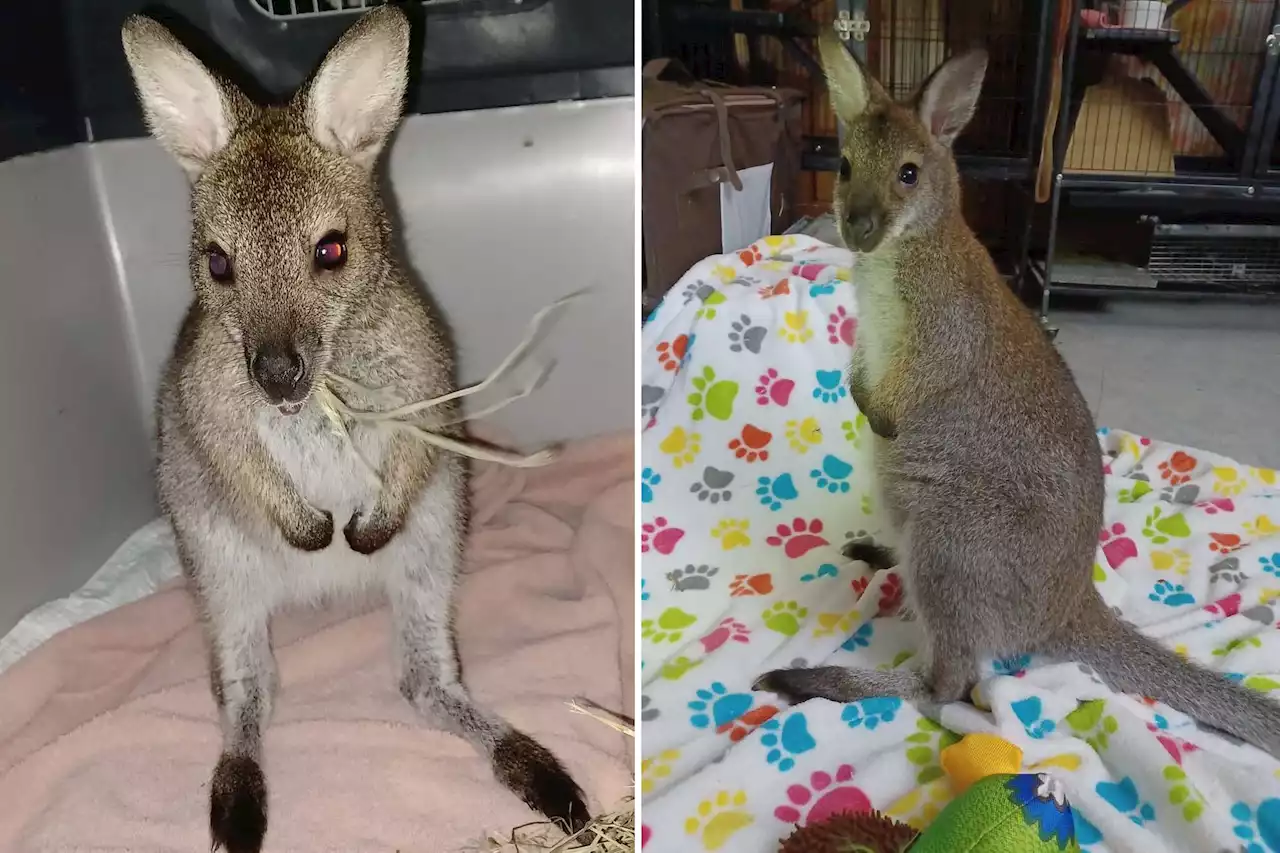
point(669, 626)
point(867, 506)
point(1099, 573)
point(1159, 527)
point(1240, 643)
point(1261, 683)
point(1091, 720)
point(853, 429)
point(1135, 494)
point(1184, 794)
point(712, 397)
point(784, 617)
point(930, 739)
point(674, 670)
point(898, 660)
point(708, 309)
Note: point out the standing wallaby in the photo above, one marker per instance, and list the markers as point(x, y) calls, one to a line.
point(986, 451)
point(295, 281)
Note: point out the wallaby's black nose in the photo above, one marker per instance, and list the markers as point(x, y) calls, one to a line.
point(277, 370)
point(862, 227)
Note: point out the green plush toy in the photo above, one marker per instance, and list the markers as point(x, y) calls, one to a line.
point(995, 812)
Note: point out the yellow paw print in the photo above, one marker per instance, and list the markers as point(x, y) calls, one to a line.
point(1227, 481)
point(831, 623)
point(795, 327)
point(724, 272)
point(804, 434)
point(1267, 475)
point(919, 807)
point(732, 533)
point(1067, 761)
point(683, 447)
point(1261, 526)
point(654, 770)
point(719, 818)
point(776, 243)
point(1175, 560)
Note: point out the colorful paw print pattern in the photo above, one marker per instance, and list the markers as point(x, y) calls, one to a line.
point(756, 472)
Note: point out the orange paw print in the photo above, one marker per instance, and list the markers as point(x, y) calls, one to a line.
point(1177, 468)
point(752, 444)
point(743, 585)
point(1225, 543)
point(782, 288)
point(747, 723)
point(672, 353)
point(750, 255)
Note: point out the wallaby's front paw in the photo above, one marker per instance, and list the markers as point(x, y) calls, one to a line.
point(237, 805)
point(367, 533)
point(314, 533)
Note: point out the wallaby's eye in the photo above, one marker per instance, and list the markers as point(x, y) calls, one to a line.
point(331, 251)
point(846, 169)
point(908, 174)
point(219, 265)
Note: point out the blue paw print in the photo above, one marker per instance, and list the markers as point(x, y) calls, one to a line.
point(871, 712)
point(833, 475)
point(1086, 833)
point(830, 389)
point(774, 491)
point(1271, 565)
point(1103, 430)
point(716, 706)
point(822, 289)
point(1259, 830)
point(1015, 666)
point(648, 479)
point(1123, 796)
point(826, 570)
point(644, 594)
point(785, 740)
point(1028, 712)
point(861, 638)
point(1172, 594)
point(688, 350)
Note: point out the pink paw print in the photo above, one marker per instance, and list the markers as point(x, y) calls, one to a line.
point(833, 796)
point(728, 629)
point(772, 389)
point(1217, 505)
point(1175, 746)
point(1224, 607)
point(798, 538)
point(808, 272)
point(658, 536)
point(645, 834)
point(841, 328)
point(1117, 547)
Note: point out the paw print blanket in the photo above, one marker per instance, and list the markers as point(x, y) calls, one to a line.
point(756, 473)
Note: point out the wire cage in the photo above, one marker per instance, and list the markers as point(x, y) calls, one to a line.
point(1173, 93)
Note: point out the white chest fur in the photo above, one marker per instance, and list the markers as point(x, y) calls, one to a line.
point(882, 316)
point(322, 466)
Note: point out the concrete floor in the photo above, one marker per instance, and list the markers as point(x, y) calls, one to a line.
point(1202, 374)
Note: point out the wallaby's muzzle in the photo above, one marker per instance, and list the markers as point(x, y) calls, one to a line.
point(863, 229)
point(282, 375)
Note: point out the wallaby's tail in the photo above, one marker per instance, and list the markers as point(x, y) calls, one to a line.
point(1133, 663)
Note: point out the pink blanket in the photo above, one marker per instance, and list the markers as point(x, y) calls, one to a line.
point(108, 733)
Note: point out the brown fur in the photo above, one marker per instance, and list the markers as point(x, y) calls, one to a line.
point(987, 453)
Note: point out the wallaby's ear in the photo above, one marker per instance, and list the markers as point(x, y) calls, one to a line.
point(355, 99)
point(189, 111)
point(947, 99)
point(847, 83)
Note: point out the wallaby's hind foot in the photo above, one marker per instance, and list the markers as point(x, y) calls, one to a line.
point(841, 684)
point(535, 775)
point(237, 805)
point(878, 557)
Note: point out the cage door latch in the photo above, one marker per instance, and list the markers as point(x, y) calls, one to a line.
point(1273, 42)
point(853, 25)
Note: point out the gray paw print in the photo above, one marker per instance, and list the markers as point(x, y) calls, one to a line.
point(714, 486)
point(647, 714)
point(691, 577)
point(1260, 613)
point(1186, 494)
point(798, 663)
point(650, 397)
point(746, 335)
point(699, 290)
point(1139, 474)
point(1226, 570)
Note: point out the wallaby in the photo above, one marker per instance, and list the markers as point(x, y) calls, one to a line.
point(986, 452)
point(295, 281)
